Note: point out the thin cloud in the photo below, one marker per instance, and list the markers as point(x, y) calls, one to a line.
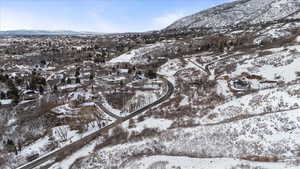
point(99, 24)
point(12, 20)
point(167, 19)
point(21, 19)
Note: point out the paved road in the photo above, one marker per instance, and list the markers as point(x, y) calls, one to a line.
point(103, 108)
point(85, 140)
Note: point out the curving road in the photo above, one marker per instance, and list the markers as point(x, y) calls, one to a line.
point(105, 110)
point(68, 149)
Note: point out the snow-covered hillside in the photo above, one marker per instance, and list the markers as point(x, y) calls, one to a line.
point(215, 98)
point(234, 110)
point(241, 11)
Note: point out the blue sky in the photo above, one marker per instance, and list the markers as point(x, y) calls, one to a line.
point(97, 15)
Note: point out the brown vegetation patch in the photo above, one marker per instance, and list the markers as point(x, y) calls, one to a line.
point(251, 76)
point(268, 81)
point(117, 100)
point(212, 116)
point(261, 158)
point(264, 53)
point(173, 101)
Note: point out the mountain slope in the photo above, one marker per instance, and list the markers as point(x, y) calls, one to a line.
point(248, 11)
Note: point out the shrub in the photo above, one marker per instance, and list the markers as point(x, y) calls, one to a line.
point(261, 158)
point(265, 53)
point(212, 116)
point(119, 135)
point(245, 166)
point(2, 161)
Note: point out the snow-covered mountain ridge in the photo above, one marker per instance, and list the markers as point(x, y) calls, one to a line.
point(241, 11)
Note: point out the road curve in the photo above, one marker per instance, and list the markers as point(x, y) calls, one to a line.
point(66, 150)
point(105, 110)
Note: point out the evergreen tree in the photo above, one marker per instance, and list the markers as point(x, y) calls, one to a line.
point(2, 95)
point(130, 71)
point(6, 77)
point(63, 80)
point(55, 88)
point(77, 80)
point(69, 81)
point(19, 81)
point(92, 75)
point(121, 83)
point(32, 84)
point(3, 78)
point(13, 92)
point(150, 74)
point(42, 81)
point(41, 89)
point(43, 62)
point(77, 73)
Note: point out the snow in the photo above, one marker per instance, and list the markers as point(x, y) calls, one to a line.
point(113, 78)
point(3, 88)
point(26, 101)
point(111, 109)
point(76, 95)
point(298, 39)
point(252, 136)
point(152, 123)
point(123, 70)
point(50, 68)
point(282, 62)
point(66, 163)
point(172, 162)
point(139, 99)
point(225, 135)
point(288, 72)
point(64, 109)
point(6, 101)
point(169, 68)
point(70, 86)
point(237, 128)
point(88, 104)
point(223, 89)
point(63, 135)
point(124, 58)
point(270, 33)
point(258, 103)
point(36, 147)
point(173, 66)
point(184, 101)
point(253, 11)
point(142, 98)
point(138, 56)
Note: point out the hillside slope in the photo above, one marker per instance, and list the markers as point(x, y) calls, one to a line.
point(241, 11)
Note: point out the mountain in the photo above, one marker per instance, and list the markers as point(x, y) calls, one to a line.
point(44, 32)
point(241, 11)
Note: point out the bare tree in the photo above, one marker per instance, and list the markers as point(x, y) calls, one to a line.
point(98, 115)
point(62, 132)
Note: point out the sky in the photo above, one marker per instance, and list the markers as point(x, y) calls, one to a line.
point(104, 16)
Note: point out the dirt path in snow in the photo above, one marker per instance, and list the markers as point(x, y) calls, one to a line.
point(247, 116)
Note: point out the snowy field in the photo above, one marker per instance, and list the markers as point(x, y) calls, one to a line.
point(262, 126)
point(267, 136)
point(173, 162)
